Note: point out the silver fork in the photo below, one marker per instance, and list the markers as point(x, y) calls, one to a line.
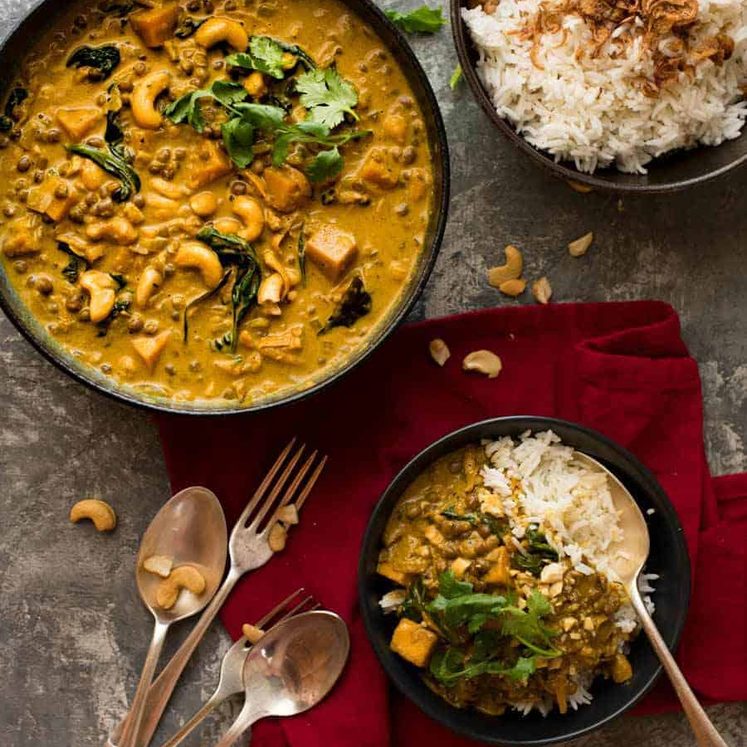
point(230, 681)
point(249, 550)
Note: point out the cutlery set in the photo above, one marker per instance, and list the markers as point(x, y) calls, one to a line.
point(301, 649)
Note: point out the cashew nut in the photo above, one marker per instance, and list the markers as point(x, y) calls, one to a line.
point(99, 512)
point(277, 538)
point(252, 633)
point(484, 362)
point(580, 246)
point(271, 289)
point(143, 99)
point(510, 271)
point(514, 287)
point(182, 577)
point(288, 514)
point(101, 289)
point(204, 204)
point(439, 351)
point(200, 257)
point(149, 282)
point(218, 29)
point(542, 290)
point(117, 229)
point(159, 565)
point(252, 216)
point(227, 225)
point(169, 189)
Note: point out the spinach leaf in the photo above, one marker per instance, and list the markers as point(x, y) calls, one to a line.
point(115, 164)
point(422, 20)
point(538, 554)
point(232, 250)
point(303, 56)
point(77, 263)
point(449, 513)
point(198, 300)
point(187, 26)
point(120, 9)
point(17, 96)
point(101, 61)
point(264, 55)
point(327, 96)
point(355, 303)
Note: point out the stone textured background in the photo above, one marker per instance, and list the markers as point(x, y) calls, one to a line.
point(72, 630)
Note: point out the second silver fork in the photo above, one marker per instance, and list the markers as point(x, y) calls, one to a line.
point(249, 550)
point(230, 681)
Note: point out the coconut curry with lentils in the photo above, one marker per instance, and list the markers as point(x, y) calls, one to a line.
point(212, 200)
point(493, 622)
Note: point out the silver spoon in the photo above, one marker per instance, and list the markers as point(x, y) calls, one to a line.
point(189, 529)
point(291, 669)
point(628, 565)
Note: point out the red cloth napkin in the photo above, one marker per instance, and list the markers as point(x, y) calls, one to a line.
point(620, 368)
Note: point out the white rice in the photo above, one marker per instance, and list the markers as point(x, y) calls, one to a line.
point(592, 111)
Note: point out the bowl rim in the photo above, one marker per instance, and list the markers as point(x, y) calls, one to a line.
point(438, 710)
point(464, 47)
point(373, 16)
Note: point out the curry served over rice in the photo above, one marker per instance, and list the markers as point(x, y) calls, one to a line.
point(212, 200)
point(504, 595)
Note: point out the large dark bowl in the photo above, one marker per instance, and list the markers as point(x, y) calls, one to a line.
point(13, 49)
point(668, 558)
point(668, 173)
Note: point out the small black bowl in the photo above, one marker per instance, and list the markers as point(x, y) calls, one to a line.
point(668, 173)
point(668, 558)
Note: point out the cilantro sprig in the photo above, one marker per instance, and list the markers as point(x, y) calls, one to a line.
point(474, 648)
point(264, 54)
point(422, 20)
point(246, 119)
point(327, 96)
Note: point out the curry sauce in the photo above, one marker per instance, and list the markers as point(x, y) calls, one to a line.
point(212, 201)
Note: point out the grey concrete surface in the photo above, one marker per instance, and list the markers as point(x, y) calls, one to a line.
point(72, 630)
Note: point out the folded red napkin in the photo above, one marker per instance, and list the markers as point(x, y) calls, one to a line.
point(620, 368)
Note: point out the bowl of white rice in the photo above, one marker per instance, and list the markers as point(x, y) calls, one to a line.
point(618, 95)
point(573, 511)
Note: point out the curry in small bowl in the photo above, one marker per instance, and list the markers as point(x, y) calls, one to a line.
point(214, 205)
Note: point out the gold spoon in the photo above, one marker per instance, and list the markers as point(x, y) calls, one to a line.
point(628, 566)
point(191, 530)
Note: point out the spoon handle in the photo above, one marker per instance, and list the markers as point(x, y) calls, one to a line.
point(247, 716)
point(131, 728)
point(704, 730)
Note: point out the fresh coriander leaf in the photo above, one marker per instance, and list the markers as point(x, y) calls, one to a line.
point(452, 664)
point(422, 20)
point(262, 116)
point(325, 165)
point(456, 76)
point(227, 92)
point(238, 137)
point(113, 163)
point(268, 56)
point(449, 586)
point(527, 627)
point(187, 109)
point(327, 96)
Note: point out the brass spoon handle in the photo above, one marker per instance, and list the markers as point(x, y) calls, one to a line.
point(132, 727)
point(160, 691)
point(704, 730)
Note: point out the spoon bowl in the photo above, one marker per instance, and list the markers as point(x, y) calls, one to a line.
point(291, 668)
point(190, 529)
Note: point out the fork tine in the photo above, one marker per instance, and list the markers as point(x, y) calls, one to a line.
point(310, 484)
point(260, 491)
point(297, 609)
point(279, 485)
point(280, 607)
point(291, 490)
